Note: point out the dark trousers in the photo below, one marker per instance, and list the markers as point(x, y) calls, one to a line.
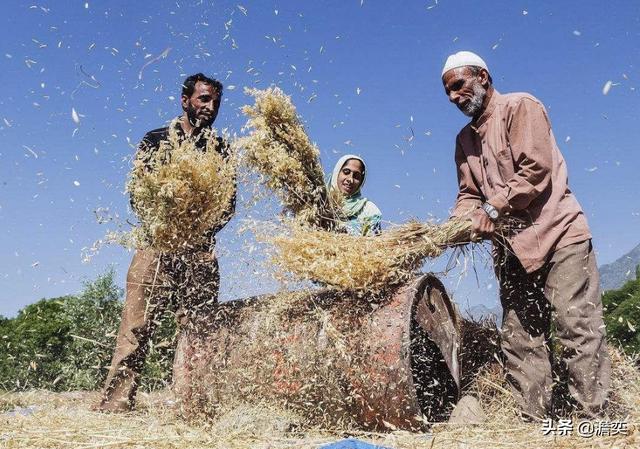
point(561, 299)
point(186, 284)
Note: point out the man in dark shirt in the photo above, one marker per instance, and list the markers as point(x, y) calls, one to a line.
point(157, 282)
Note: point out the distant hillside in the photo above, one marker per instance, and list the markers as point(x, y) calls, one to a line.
point(615, 274)
point(481, 311)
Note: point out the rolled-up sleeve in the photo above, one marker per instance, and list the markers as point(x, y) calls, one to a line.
point(469, 196)
point(532, 146)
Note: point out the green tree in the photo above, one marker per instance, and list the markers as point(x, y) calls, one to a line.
point(158, 367)
point(94, 317)
point(34, 345)
point(6, 365)
point(622, 315)
point(67, 343)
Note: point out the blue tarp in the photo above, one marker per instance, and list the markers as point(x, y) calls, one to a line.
point(21, 411)
point(351, 443)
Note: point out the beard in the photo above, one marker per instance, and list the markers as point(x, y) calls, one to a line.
point(196, 120)
point(474, 105)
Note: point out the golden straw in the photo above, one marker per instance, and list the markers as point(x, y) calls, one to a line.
point(180, 193)
point(289, 163)
point(365, 263)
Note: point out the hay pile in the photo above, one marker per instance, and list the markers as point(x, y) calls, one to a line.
point(288, 162)
point(181, 192)
point(365, 263)
point(504, 428)
point(485, 380)
point(63, 420)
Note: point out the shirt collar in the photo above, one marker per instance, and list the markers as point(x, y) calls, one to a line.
point(200, 139)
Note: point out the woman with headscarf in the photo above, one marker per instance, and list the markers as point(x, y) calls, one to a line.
point(360, 216)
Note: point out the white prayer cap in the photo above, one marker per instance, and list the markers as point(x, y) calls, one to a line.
point(462, 59)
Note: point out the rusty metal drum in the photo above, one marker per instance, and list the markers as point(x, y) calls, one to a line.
point(388, 362)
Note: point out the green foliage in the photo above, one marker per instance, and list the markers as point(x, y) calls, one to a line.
point(94, 317)
point(158, 366)
point(67, 343)
point(34, 344)
point(622, 315)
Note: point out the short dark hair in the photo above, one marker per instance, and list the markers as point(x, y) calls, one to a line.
point(189, 85)
point(475, 71)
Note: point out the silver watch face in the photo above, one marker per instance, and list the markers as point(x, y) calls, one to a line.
point(490, 210)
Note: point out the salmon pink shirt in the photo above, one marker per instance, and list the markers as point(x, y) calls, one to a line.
point(509, 158)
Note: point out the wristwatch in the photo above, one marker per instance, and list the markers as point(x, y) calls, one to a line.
point(491, 211)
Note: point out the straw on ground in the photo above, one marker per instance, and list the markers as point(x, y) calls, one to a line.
point(63, 420)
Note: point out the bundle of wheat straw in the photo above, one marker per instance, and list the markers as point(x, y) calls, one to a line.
point(180, 193)
point(365, 263)
point(289, 163)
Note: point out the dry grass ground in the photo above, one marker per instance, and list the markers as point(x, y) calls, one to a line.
point(63, 420)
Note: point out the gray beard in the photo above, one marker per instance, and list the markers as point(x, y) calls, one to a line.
point(475, 104)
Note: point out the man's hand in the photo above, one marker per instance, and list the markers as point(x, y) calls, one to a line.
point(481, 225)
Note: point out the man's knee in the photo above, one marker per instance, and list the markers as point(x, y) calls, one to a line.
point(144, 268)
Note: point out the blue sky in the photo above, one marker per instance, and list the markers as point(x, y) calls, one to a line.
point(365, 76)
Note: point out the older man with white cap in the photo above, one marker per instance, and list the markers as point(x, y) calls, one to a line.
point(509, 164)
